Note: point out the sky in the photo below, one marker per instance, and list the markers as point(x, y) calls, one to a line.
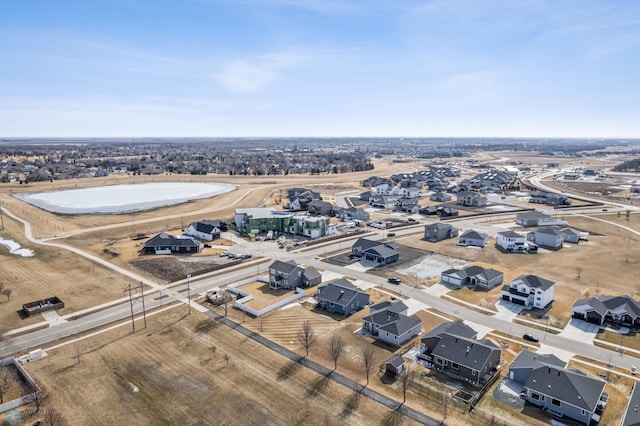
point(320, 68)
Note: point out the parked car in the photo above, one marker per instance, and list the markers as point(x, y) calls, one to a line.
point(394, 280)
point(391, 234)
point(530, 337)
point(411, 219)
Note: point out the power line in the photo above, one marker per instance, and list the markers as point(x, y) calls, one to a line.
point(130, 290)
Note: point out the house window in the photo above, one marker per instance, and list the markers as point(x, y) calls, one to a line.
point(473, 373)
point(438, 361)
point(582, 412)
point(455, 365)
point(535, 396)
point(331, 304)
point(555, 402)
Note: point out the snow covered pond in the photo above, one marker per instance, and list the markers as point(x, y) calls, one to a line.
point(122, 198)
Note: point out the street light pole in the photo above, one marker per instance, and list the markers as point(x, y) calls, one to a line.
point(189, 292)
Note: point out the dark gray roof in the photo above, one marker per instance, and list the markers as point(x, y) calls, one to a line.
point(205, 226)
point(382, 250)
point(510, 234)
point(339, 291)
point(472, 233)
point(528, 359)
point(363, 244)
point(469, 353)
point(534, 281)
point(310, 272)
point(397, 361)
point(164, 239)
point(567, 386)
point(439, 225)
point(389, 306)
point(533, 215)
point(603, 303)
point(455, 328)
point(284, 266)
point(401, 325)
point(474, 271)
point(632, 415)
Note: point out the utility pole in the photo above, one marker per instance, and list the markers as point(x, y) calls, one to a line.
point(130, 290)
point(189, 292)
point(1, 218)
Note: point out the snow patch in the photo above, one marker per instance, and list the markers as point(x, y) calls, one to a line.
point(15, 248)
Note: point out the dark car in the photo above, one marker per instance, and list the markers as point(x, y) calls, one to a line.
point(391, 234)
point(394, 280)
point(530, 338)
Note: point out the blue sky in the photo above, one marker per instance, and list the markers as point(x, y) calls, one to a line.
point(320, 68)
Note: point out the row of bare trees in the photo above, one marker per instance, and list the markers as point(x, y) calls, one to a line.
point(335, 347)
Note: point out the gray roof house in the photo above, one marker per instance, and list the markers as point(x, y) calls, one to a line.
point(471, 199)
point(528, 361)
point(205, 230)
point(383, 201)
point(394, 367)
point(464, 358)
point(376, 251)
point(440, 197)
point(473, 276)
point(289, 275)
point(536, 218)
point(389, 323)
point(551, 236)
point(531, 291)
point(342, 297)
point(439, 231)
point(620, 310)
point(566, 393)
point(407, 205)
point(471, 237)
point(166, 244)
point(631, 415)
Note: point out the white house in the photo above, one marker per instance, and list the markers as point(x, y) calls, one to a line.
point(531, 291)
point(204, 229)
point(551, 237)
point(386, 189)
point(471, 237)
point(311, 226)
point(411, 192)
point(515, 243)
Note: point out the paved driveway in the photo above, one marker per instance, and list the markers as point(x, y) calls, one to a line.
point(580, 330)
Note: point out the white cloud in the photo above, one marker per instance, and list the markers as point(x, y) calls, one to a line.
point(246, 76)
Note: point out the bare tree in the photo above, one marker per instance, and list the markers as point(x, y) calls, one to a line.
point(368, 359)
point(224, 299)
point(5, 382)
point(213, 349)
point(406, 379)
point(226, 358)
point(306, 336)
point(335, 348)
point(38, 396)
point(578, 271)
point(7, 292)
point(54, 418)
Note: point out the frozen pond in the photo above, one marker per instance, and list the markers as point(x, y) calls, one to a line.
point(122, 198)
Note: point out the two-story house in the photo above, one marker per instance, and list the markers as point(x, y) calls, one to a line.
point(289, 275)
point(515, 243)
point(531, 291)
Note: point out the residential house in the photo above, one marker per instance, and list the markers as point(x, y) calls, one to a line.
point(531, 291)
point(455, 351)
point(549, 198)
point(441, 197)
point(471, 199)
point(386, 189)
point(566, 393)
point(354, 213)
point(376, 251)
point(619, 310)
point(299, 198)
point(321, 208)
point(536, 218)
point(289, 275)
point(474, 238)
point(411, 192)
point(528, 361)
point(515, 243)
point(167, 244)
point(205, 230)
point(374, 181)
point(407, 205)
point(631, 415)
point(341, 297)
point(439, 231)
point(473, 276)
point(551, 237)
point(383, 201)
point(389, 323)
